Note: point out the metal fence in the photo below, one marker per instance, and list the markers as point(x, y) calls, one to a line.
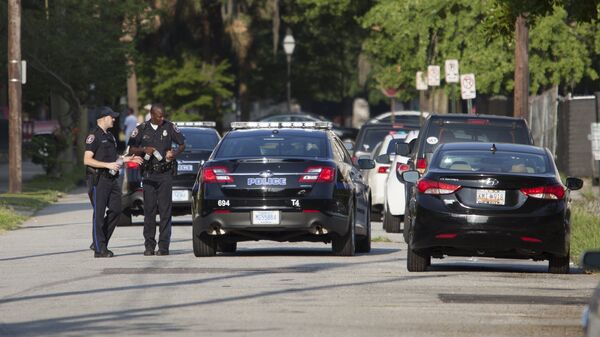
point(543, 110)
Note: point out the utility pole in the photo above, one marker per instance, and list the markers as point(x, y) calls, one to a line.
point(521, 98)
point(14, 96)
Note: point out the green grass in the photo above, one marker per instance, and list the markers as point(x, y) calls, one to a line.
point(37, 193)
point(585, 231)
point(381, 239)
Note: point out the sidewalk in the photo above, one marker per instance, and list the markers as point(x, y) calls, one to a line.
point(29, 170)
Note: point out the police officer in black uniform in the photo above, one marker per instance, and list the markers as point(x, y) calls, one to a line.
point(154, 140)
point(102, 169)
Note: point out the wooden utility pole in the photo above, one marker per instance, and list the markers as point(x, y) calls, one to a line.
point(14, 96)
point(521, 98)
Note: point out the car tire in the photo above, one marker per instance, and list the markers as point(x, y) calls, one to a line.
point(559, 264)
point(363, 243)
point(227, 247)
point(417, 261)
point(204, 245)
point(125, 218)
point(393, 222)
point(344, 245)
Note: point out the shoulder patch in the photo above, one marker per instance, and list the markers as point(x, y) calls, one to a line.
point(134, 133)
point(176, 128)
point(90, 139)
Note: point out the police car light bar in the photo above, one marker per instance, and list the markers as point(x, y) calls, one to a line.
point(197, 124)
point(279, 125)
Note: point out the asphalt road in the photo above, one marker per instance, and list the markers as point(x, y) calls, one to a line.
point(50, 285)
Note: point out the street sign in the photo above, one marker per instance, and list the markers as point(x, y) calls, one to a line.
point(433, 76)
point(421, 81)
point(451, 69)
point(467, 86)
point(595, 138)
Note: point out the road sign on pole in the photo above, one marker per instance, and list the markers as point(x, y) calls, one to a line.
point(433, 76)
point(467, 86)
point(451, 69)
point(595, 138)
point(421, 81)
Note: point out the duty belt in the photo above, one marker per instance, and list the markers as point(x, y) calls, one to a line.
point(161, 167)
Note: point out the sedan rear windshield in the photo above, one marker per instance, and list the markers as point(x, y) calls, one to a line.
point(200, 140)
point(476, 130)
point(488, 161)
point(276, 146)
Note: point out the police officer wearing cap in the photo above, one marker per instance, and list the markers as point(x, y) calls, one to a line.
point(154, 140)
point(102, 169)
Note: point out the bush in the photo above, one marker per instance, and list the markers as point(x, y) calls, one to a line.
point(44, 151)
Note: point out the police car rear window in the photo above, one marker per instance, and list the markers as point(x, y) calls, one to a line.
point(276, 146)
point(200, 140)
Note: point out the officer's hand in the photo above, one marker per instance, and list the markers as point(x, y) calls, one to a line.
point(170, 155)
point(113, 166)
point(149, 150)
point(136, 159)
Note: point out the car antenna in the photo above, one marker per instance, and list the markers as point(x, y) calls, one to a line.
point(493, 149)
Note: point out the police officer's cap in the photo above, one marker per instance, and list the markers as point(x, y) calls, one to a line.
point(105, 111)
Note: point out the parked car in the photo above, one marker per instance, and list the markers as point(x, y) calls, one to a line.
point(394, 189)
point(200, 140)
point(591, 314)
point(400, 117)
point(344, 133)
point(281, 182)
point(370, 135)
point(383, 155)
point(452, 128)
point(492, 200)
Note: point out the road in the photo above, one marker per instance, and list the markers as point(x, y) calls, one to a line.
point(51, 285)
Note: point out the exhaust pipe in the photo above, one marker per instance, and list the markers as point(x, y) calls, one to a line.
point(216, 230)
point(319, 230)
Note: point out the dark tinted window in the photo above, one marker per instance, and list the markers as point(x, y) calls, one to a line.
point(488, 161)
point(371, 136)
point(391, 149)
point(273, 146)
point(476, 130)
point(200, 139)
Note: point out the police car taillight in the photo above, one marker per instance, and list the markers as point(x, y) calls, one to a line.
point(318, 174)
point(216, 174)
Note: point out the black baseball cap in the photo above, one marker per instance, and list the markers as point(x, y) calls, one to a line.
point(105, 111)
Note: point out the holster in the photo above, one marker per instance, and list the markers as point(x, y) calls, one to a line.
point(94, 173)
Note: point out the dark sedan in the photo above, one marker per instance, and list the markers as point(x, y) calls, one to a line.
point(284, 182)
point(493, 200)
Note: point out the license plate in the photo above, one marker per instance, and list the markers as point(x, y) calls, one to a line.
point(491, 197)
point(265, 217)
point(185, 168)
point(181, 195)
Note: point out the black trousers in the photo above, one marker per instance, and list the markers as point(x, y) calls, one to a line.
point(105, 197)
point(158, 189)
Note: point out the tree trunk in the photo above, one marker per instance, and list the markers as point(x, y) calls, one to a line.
point(14, 94)
point(521, 100)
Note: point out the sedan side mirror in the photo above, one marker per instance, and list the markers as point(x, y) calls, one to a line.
point(366, 164)
point(410, 176)
point(591, 260)
point(574, 184)
point(403, 149)
point(383, 159)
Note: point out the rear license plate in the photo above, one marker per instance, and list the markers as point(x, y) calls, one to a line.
point(265, 217)
point(491, 197)
point(185, 168)
point(181, 195)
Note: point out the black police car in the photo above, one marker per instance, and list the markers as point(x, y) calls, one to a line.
point(281, 181)
point(200, 140)
point(494, 200)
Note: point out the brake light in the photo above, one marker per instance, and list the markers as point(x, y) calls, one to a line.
point(216, 174)
point(133, 165)
point(436, 187)
point(421, 165)
point(446, 236)
point(556, 192)
point(478, 121)
point(402, 167)
point(383, 169)
point(318, 174)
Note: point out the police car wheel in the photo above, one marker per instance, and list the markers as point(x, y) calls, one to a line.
point(344, 245)
point(227, 247)
point(204, 245)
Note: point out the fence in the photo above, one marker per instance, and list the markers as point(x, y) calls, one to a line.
point(543, 119)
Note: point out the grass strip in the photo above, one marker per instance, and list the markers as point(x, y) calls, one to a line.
point(585, 231)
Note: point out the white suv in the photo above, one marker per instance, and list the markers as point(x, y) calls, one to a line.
point(394, 191)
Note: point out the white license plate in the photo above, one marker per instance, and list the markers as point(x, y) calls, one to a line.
point(491, 197)
point(185, 168)
point(181, 195)
point(265, 217)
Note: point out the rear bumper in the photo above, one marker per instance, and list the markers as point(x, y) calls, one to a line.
point(505, 235)
point(292, 224)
